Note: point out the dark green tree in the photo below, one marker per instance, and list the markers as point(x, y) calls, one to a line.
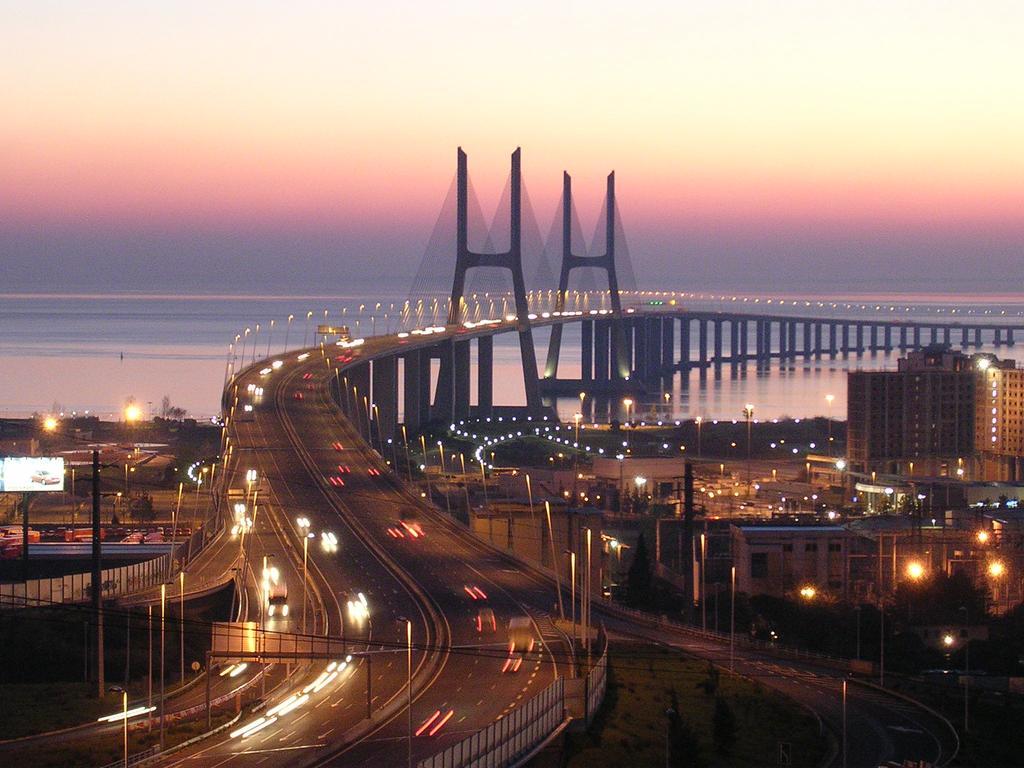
point(682, 743)
point(638, 580)
point(723, 726)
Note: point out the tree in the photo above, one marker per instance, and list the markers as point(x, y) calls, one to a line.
point(683, 746)
point(141, 508)
point(638, 580)
point(723, 726)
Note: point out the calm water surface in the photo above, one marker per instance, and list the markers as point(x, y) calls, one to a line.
point(94, 352)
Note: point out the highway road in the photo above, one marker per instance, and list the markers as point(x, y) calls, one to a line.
point(311, 462)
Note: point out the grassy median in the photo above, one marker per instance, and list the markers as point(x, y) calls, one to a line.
point(724, 720)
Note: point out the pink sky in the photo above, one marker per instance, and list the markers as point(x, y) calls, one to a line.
point(728, 117)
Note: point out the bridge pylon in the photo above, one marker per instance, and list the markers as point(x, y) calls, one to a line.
point(512, 260)
point(606, 261)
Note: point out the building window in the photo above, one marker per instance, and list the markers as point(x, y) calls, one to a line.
point(835, 546)
point(787, 547)
point(810, 547)
point(758, 565)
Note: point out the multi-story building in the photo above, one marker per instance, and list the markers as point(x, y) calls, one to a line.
point(999, 419)
point(941, 413)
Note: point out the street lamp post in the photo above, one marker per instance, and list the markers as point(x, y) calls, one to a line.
point(181, 625)
point(287, 331)
point(303, 523)
point(699, 421)
point(163, 625)
point(408, 637)
point(748, 413)
point(829, 399)
point(732, 620)
point(124, 717)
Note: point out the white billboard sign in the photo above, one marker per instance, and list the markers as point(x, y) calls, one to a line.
point(22, 474)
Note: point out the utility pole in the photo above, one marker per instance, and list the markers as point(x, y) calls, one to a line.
point(687, 564)
point(97, 571)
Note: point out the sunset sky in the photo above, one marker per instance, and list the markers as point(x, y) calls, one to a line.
point(823, 145)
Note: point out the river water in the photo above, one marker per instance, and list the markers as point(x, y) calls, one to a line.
point(88, 352)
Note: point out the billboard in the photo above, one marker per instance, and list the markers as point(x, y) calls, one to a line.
point(31, 473)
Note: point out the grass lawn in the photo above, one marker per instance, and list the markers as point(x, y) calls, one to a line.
point(108, 748)
point(28, 708)
point(631, 728)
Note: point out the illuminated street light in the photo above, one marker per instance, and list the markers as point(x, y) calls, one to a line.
point(915, 570)
point(982, 537)
point(948, 640)
point(996, 569)
point(50, 423)
point(808, 592)
point(132, 413)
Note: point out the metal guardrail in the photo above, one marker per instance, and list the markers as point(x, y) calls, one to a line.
point(138, 758)
point(116, 582)
point(505, 740)
point(509, 740)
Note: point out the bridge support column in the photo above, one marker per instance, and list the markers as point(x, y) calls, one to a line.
point(783, 340)
point(846, 339)
point(638, 332)
point(744, 341)
point(874, 338)
point(602, 332)
point(964, 341)
point(416, 385)
point(832, 340)
point(460, 359)
point(443, 408)
point(792, 339)
point(702, 340)
point(1009, 337)
point(668, 345)
point(385, 395)
point(808, 341)
point(977, 337)
point(621, 348)
point(485, 376)
point(917, 337)
point(946, 335)
point(817, 340)
point(859, 346)
point(734, 341)
point(684, 343)
point(903, 337)
point(887, 337)
point(359, 381)
point(587, 351)
point(998, 337)
point(935, 334)
point(718, 342)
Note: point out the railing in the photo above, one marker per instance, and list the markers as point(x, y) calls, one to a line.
point(138, 758)
point(504, 741)
point(116, 582)
point(597, 684)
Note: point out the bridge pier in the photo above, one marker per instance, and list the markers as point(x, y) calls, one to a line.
point(684, 345)
point(718, 342)
point(903, 337)
point(817, 341)
point(887, 337)
point(359, 382)
point(860, 338)
point(587, 350)
point(385, 395)
point(416, 385)
point(702, 341)
point(977, 337)
point(668, 346)
point(873, 330)
point(485, 376)
point(602, 332)
point(792, 340)
point(917, 337)
point(964, 339)
point(845, 343)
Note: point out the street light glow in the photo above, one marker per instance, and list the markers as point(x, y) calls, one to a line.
point(50, 423)
point(915, 570)
point(808, 592)
point(132, 412)
point(996, 569)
